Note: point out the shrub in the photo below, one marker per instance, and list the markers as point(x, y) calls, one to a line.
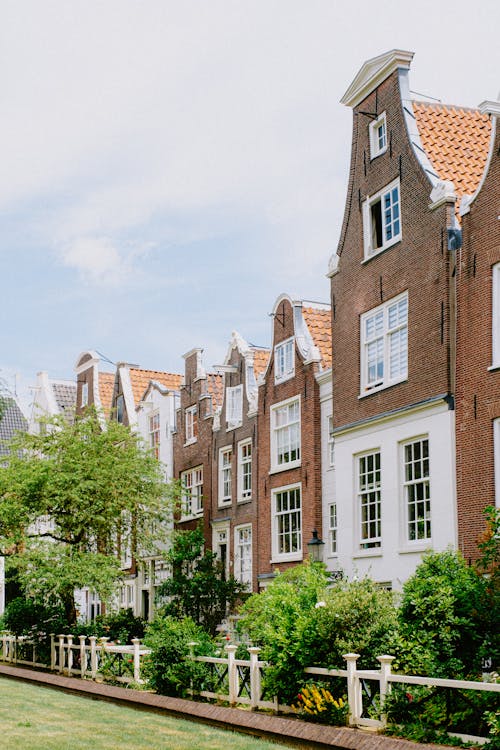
point(316, 703)
point(119, 626)
point(170, 671)
point(23, 616)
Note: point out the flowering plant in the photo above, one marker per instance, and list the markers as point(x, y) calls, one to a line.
point(316, 703)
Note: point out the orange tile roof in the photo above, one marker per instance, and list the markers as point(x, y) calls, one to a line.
point(456, 140)
point(215, 388)
point(319, 322)
point(139, 380)
point(260, 360)
point(106, 386)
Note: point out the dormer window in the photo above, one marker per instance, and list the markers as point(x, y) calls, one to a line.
point(378, 136)
point(284, 361)
point(382, 220)
point(234, 406)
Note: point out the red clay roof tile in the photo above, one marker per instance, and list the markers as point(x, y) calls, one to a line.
point(319, 323)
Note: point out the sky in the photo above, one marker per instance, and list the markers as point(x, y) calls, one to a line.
point(169, 167)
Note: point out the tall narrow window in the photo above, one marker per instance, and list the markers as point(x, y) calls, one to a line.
point(417, 490)
point(85, 394)
point(382, 219)
point(496, 315)
point(496, 449)
point(384, 345)
point(243, 555)
point(287, 531)
point(370, 500)
point(378, 136)
point(284, 362)
point(192, 492)
point(245, 470)
point(332, 528)
point(154, 433)
point(331, 443)
point(285, 435)
point(225, 456)
point(191, 417)
point(120, 408)
point(234, 406)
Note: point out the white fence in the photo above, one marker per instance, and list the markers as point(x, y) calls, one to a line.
point(95, 659)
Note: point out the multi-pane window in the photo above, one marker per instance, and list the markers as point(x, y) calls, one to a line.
point(378, 136)
point(191, 418)
point(234, 406)
point(331, 443)
point(496, 315)
point(287, 511)
point(285, 434)
point(225, 456)
point(284, 361)
point(243, 555)
point(417, 490)
point(369, 500)
point(382, 219)
point(245, 470)
point(332, 529)
point(154, 433)
point(384, 344)
point(192, 492)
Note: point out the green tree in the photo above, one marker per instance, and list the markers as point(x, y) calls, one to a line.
point(70, 497)
point(198, 587)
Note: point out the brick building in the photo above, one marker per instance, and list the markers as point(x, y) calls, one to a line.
point(478, 349)
point(235, 503)
point(289, 430)
point(393, 322)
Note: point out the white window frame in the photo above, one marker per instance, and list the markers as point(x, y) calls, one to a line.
point(234, 406)
point(285, 429)
point(333, 528)
point(192, 497)
point(495, 332)
point(191, 424)
point(390, 208)
point(245, 470)
point(496, 457)
point(414, 514)
point(154, 426)
point(330, 443)
point(369, 501)
point(284, 360)
point(388, 339)
point(279, 530)
point(225, 475)
point(220, 538)
point(378, 145)
point(85, 394)
point(243, 557)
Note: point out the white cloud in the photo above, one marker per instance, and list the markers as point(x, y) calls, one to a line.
point(98, 260)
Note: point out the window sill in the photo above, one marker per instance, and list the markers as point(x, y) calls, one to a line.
point(383, 387)
point(224, 503)
point(193, 517)
point(421, 546)
point(368, 257)
point(379, 153)
point(492, 368)
point(243, 500)
point(231, 427)
point(285, 467)
point(191, 441)
point(374, 552)
point(276, 560)
point(284, 378)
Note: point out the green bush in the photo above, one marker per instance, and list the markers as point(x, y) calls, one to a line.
point(169, 669)
point(23, 616)
point(119, 626)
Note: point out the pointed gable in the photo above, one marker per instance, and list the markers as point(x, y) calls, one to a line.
point(373, 72)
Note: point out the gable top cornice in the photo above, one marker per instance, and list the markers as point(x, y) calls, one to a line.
point(373, 72)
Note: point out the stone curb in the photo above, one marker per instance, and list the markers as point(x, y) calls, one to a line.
point(287, 731)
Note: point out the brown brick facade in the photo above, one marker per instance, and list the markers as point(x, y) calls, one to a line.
point(478, 386)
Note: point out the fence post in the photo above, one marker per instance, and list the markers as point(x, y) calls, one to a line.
point(191, 646)
point(353, 689)
point(255, 688)
point(137, 659)
point(232, 674)
point(61, 653)
point(83, 656)
point(70, 654)
point(93, 656)
point(385, 687)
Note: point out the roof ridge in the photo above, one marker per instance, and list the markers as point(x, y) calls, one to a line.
point(443, 105)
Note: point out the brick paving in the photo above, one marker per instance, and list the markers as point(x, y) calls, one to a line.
point(291, 732)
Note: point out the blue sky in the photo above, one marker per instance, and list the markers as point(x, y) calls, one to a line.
point(170, 167)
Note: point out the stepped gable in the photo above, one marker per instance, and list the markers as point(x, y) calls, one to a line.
point(456, 141)
point(319, 323)
point(106, 385)
point(139, 380)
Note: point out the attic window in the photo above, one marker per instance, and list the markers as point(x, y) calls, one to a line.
point(378, 136)
point(382, 219)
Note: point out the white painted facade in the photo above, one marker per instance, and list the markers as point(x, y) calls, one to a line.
point(396, 558)
point(44, 404)
point(330, 555)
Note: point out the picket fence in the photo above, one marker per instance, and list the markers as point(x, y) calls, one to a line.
point(96, 659)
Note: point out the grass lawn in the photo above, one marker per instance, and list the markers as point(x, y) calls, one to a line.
point(38, 718)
